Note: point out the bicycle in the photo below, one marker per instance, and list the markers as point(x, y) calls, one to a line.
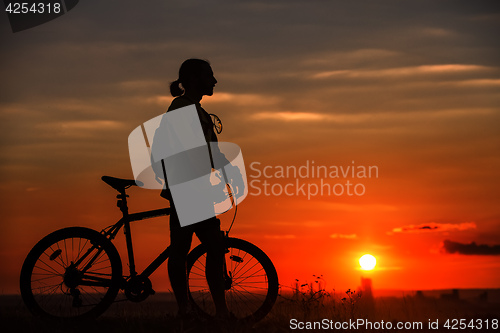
point(75, 273)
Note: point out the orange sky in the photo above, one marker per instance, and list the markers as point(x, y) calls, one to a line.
point(412, 90)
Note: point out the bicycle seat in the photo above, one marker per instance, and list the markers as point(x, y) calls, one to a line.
point(120, 184)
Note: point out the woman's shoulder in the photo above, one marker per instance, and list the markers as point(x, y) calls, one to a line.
point(179, 102)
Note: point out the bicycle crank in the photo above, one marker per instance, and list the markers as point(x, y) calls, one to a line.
point(138, 288)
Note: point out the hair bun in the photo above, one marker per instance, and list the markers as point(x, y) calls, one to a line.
point(175, 89)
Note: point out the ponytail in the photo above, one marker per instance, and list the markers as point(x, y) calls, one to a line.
point(175, 89)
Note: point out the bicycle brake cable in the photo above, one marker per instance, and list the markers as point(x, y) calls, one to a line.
point(235, 207)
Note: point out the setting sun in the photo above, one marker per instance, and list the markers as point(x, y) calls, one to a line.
point(367, 262)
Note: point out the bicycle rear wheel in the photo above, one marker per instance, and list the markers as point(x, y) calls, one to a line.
point(71, 274)
point(251, 281)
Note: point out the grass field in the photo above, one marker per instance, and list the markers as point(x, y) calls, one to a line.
point(156, 314)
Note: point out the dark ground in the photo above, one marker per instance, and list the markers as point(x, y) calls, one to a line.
point(156, 314)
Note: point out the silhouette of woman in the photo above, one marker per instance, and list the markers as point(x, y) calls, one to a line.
point(197, 80)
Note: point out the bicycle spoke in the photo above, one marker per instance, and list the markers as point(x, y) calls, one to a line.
point(48, 288)
point(100, 262)
point(250, 293)
point(43, 269)
point(42, 279)
point(89, 295)
point(199, 268)
point(242, 303)
point(243, 279)
point(82, 248)
point(202, 275)
point(239, 268)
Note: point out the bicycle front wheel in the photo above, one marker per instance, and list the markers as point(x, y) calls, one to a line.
point(250, 278)
point(71, 274)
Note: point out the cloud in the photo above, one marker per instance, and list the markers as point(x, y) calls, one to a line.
point(237, 99)
point(349, 59)
point(380, 119)
point(351, 236)
point(79, 128)
point(471, 249)
point(434, 227)
point(402, 71)
point(479, 83)
point(280, 236)
point(291, 116)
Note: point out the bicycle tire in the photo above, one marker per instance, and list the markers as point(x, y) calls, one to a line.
point(54, 290)
point(254, 287)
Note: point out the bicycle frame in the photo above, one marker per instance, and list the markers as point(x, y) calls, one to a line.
point(112, 231)
point(125, 223)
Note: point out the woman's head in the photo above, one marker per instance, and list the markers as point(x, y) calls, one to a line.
point(195, 76)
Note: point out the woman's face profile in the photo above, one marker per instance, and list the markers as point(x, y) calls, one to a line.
point(206, 81)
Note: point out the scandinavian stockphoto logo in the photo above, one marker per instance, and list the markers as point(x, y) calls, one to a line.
point(310, 179)
point(170, 150)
